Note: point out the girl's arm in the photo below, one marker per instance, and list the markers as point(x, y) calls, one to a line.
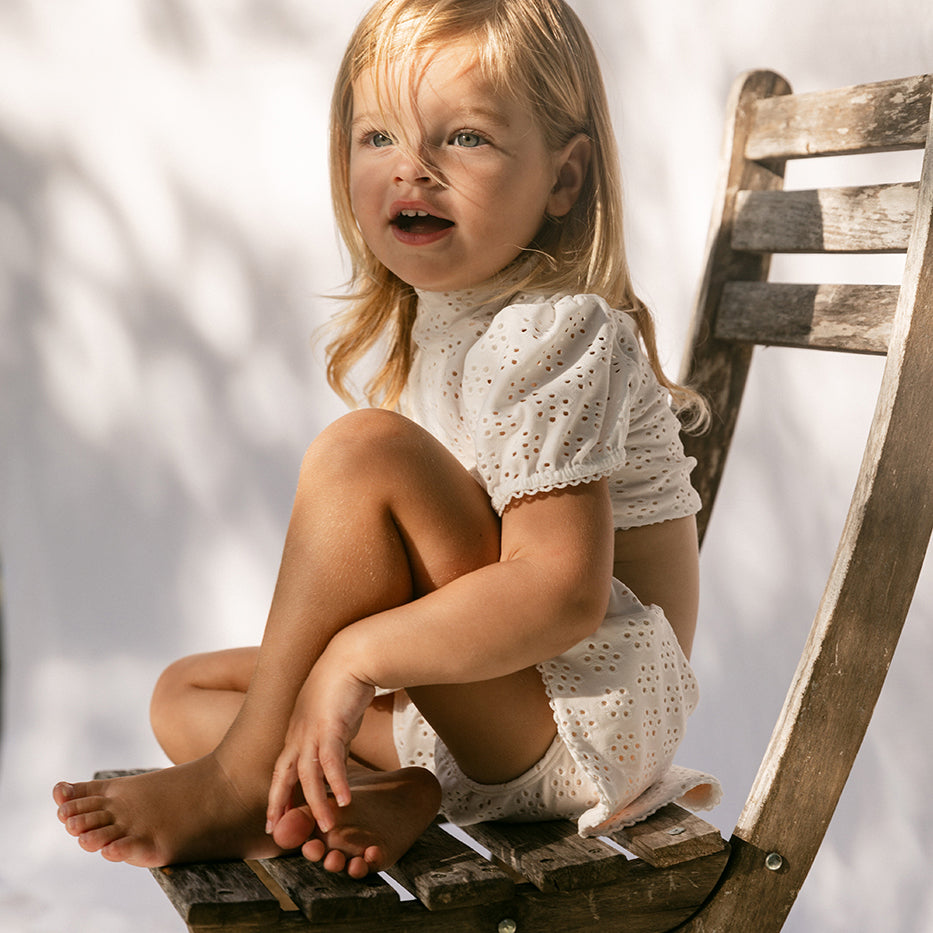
point(548, 591)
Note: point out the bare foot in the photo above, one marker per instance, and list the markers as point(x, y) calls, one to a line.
point(187, 813)
point(388, 812)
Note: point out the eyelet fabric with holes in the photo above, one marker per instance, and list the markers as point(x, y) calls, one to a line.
point(543, 393)
point(537, 393)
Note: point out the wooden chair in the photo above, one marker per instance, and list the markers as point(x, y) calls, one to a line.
point(543, 877)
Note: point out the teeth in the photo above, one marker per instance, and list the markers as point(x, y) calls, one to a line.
point(413, 213)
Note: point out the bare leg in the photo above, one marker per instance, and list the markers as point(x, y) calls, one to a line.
point(198, 697)
point(196, 700)
point(382, 514)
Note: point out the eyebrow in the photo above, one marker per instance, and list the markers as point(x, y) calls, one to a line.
point(460, 116)
point(487, 113)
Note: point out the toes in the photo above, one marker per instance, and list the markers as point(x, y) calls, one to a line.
point(293, 829)
point(373, 857)
point(131, 850)
point(94, 840)
point(85, 822)
point(335, 861)
point(314, 850)
point(82, 806)
point(63, 791)
point(358, 868)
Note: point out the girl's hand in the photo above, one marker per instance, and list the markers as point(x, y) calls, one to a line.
point(326, 718)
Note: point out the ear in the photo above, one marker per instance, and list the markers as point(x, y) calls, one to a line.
point(571, 166)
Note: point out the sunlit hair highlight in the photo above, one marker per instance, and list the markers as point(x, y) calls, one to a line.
point(533, 51)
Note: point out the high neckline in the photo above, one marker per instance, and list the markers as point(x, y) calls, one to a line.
point(451, 304)
point(496, 291)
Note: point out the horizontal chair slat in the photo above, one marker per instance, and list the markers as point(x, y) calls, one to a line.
point(445, 873)
point(217, 893)
point(325, 896)
point(870, 219)
point(552, 855)
point(850, 318)
point(881, 117)
point(670, 836)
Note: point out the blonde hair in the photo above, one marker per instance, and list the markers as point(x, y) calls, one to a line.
point(535, 51)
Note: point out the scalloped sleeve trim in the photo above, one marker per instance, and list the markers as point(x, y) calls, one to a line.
point(573, 475)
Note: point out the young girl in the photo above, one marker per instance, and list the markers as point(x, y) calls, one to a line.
point(489, 582)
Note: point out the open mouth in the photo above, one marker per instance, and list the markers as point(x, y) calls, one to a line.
point(419, 223)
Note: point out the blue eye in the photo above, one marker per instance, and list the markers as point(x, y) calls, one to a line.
point(380, 140)
point(467, 139)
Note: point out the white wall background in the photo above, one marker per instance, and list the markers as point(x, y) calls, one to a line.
point(165, 243)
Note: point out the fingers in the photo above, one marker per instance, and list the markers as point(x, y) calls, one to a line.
point(306, 769)
point(281, 788)
point(333, 763)
point(312, 784)
point(322, 725)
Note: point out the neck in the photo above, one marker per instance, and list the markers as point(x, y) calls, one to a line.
point(513, 278)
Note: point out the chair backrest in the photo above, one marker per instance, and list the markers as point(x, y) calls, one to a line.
point(881, 551)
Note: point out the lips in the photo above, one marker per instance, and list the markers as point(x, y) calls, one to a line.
point(413, 224)
point(419, 222)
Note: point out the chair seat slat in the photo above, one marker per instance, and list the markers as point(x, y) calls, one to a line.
point(881, 117)
point(326, 896)
point(445, 873)
point(848, 318)
point(670, 836)
point(871, 219)
point(221, 893)
point(551, 855)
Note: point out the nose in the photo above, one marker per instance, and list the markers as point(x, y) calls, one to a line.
point(412, 172)
point(414, 169)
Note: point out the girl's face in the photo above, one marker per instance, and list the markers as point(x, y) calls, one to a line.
point(450, 181)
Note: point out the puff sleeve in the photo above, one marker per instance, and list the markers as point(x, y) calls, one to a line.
point(547, 395)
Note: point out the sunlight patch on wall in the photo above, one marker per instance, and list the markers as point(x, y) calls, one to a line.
point(89, 359)
point(226, 583)
point(216, 296)
point(256, 394)
point(185, 429)
point(109, 697)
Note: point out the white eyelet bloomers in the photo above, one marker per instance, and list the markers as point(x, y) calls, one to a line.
point(534, 394)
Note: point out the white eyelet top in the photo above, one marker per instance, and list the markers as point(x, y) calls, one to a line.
point(534, 393)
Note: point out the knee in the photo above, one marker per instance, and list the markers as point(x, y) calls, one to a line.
point(173, 683)
point(363, 445)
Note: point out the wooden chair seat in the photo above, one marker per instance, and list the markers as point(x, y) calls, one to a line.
point(542, 877)
point(525, 872)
